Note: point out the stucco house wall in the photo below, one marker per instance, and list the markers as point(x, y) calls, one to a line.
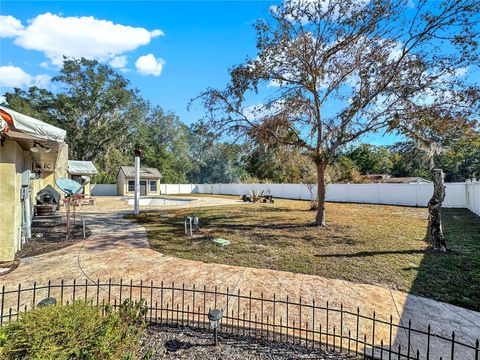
point(13, 162)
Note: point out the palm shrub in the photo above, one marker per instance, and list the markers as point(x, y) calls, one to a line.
point(75, 331)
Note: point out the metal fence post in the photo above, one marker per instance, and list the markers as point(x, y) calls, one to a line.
point(2, 306)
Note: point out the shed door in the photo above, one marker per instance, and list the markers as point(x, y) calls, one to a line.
point(143, 188)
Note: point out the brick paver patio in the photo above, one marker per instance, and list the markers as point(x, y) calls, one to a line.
point(119, 248)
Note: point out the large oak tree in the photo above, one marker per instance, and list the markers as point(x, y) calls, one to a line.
point(327, 71)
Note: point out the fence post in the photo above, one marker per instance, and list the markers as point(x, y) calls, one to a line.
point(357, 329)
point(373, 336)
point(34, 293)
point(428, 342)
point(341, 327)
point(475, 186)
point(409, 335)
point(3, 304)
point(313, 323)
point(61, 292)
point(326, 330)
point(467, 197)
point(417, 195)
point(109, 290)
point(477, 344)
point(453, 345)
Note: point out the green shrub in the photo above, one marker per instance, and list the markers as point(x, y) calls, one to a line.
point(76, 331)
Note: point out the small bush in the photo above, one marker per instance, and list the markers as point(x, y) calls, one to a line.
point(77, 331)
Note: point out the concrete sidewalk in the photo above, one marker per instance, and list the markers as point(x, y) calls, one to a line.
point(119, 248)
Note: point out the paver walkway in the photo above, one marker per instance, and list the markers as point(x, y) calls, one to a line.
point(119, 248)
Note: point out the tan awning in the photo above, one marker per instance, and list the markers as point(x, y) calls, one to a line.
point(33, 134)
point(35, 128)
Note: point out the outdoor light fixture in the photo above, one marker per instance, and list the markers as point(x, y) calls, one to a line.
point(138, 150)
point(215, 316)
point(34, 148)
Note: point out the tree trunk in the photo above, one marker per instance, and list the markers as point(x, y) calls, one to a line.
point(435, 231)
point(320, 219)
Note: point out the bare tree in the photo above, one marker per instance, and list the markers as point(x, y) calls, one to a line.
point(439, 105)
point(329, 70)
point(434, 126)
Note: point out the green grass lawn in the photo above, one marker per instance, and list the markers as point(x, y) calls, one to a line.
point(363, 243)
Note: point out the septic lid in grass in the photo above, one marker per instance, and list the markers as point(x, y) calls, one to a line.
point(221, 242)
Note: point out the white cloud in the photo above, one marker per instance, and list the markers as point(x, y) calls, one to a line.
point(149, 65)
point(260, 110)
point(274, 84)
point(13, 76)
point(119, 62)
point(156, 32)
point(2, 99)
point(77, 37)
point(461, 72)
point(325, 7)
point(42, 81)
point(9, 26)
point(45, 65)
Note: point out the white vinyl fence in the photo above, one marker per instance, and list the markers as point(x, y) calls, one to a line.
point(103, 189)
point(458, 195)
point(170, 189)
point(473, 196)
point(393, 194)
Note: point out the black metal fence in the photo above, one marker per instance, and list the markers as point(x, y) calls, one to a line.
point(322, 327)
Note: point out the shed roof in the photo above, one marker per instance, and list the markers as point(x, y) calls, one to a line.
point(145, 172)
point(79, 167)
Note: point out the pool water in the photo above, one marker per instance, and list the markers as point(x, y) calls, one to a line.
point(160, 201)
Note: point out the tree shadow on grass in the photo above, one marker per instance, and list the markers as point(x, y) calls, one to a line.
point(454, 278)
point(372, 253)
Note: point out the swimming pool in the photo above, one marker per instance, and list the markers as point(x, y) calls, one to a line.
point(160, 201)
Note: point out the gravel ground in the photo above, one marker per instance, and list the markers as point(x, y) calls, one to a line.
point(48, 237)
point(162, 342)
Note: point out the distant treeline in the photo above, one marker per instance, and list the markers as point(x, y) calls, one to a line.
point(105, 118)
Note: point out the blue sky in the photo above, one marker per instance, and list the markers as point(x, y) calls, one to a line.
point(201, 41)
point(170, 51)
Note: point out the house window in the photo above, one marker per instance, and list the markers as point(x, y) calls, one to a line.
point(131, 185)
point(153, 186)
